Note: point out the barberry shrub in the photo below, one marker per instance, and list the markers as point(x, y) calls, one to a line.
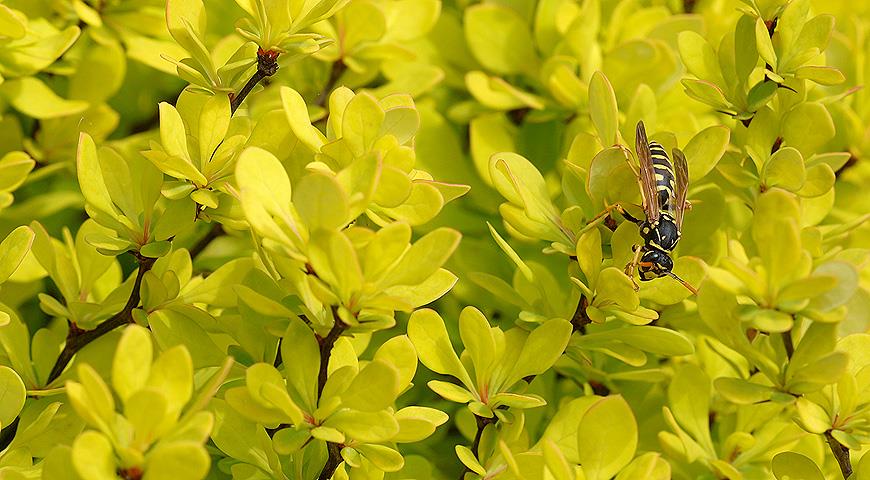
point(387, 239)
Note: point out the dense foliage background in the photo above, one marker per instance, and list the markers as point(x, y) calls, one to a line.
point(232, 228)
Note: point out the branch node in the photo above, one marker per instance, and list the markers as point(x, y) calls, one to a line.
point(267, 65)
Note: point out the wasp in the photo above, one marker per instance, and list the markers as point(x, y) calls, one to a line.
point(663, 186)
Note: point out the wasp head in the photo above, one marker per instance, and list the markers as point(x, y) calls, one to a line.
point(654, 263)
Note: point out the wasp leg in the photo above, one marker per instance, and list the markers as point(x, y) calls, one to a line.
point(630, 267)
point(597, 218)
point(629, 217)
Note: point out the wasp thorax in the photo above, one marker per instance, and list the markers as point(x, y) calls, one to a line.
point(662, 234)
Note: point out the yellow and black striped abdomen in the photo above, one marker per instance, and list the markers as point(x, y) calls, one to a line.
point(664, 175)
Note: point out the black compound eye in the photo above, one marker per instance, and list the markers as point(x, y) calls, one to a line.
point(665, 264)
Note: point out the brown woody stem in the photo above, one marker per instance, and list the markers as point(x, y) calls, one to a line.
point(326, 345)
point(213, 233)
point(841, 453)
point(482, 422)
point(332, 462)
point(788, 344)
point(78, 339)
point(267, 65)
point(7, 434)
point(335, 73)
point(580, 319)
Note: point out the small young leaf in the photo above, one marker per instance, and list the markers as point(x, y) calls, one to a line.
point(374, 388)
point(603, 109)
point(31, 96)
point(541, 349)
point(12, 395)
point(92, 456)
point(300, 344)
point(174, 460)
point(13, 250)
point(427, 331)
point(132, 362)
point(705, 150)
point(475, 332)
point(499, 38)
point(467, 458)
point(361, 123)
point(308, 195)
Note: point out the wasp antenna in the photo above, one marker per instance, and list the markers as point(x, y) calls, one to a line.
point(685, 283)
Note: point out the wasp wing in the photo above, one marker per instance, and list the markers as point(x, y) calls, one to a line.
point(681, 167)
point(647, 174)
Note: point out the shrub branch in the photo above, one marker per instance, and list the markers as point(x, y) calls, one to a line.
point(326, 345)
point(78, 339)
point(213, 233)
point(482, 422)
point(841, 453)
point(7, 434)
point(332, 462)
point(788, 344)
point(335, 73)
point(580, 319)
point(267, 65)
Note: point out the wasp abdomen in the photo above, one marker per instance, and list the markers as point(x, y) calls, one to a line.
point(664, 176)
